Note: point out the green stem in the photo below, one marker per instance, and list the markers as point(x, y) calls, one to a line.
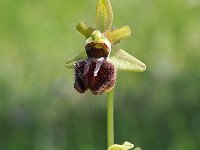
point(110, 118)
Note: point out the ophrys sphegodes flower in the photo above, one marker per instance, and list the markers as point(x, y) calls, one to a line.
point(95, 67)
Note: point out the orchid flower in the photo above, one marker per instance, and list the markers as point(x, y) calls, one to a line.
point(96, 66)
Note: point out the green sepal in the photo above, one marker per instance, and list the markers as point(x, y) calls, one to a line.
point(126, 62)
point(70, 63)
point(125, 146)
point(84, 29)
point(104, 15)
point(115, 36)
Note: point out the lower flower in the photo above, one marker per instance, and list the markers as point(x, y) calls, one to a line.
point(125, 146)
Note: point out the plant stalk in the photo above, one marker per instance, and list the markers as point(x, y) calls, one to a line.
point(110, 118)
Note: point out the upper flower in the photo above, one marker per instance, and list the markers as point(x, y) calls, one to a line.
point(104, 33)
point(98, 70)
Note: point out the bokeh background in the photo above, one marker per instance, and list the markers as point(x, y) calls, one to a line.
point(156, 110)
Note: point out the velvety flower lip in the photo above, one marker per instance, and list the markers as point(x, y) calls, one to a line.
point(96, 75)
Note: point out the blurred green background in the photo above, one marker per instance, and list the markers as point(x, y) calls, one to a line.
point(156, 110)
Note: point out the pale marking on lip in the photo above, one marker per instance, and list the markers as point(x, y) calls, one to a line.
point(87, 66)
point(99, 62)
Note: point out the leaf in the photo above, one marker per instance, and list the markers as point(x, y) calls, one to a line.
point(104, 15)
point(79, 56)
point(125, 146)
point(84, 29)
point(126, 62)
point(117, 35)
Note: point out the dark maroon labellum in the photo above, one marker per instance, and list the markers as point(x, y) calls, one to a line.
point(97, 75)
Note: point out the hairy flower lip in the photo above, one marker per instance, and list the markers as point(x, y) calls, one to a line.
point(94, 74)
